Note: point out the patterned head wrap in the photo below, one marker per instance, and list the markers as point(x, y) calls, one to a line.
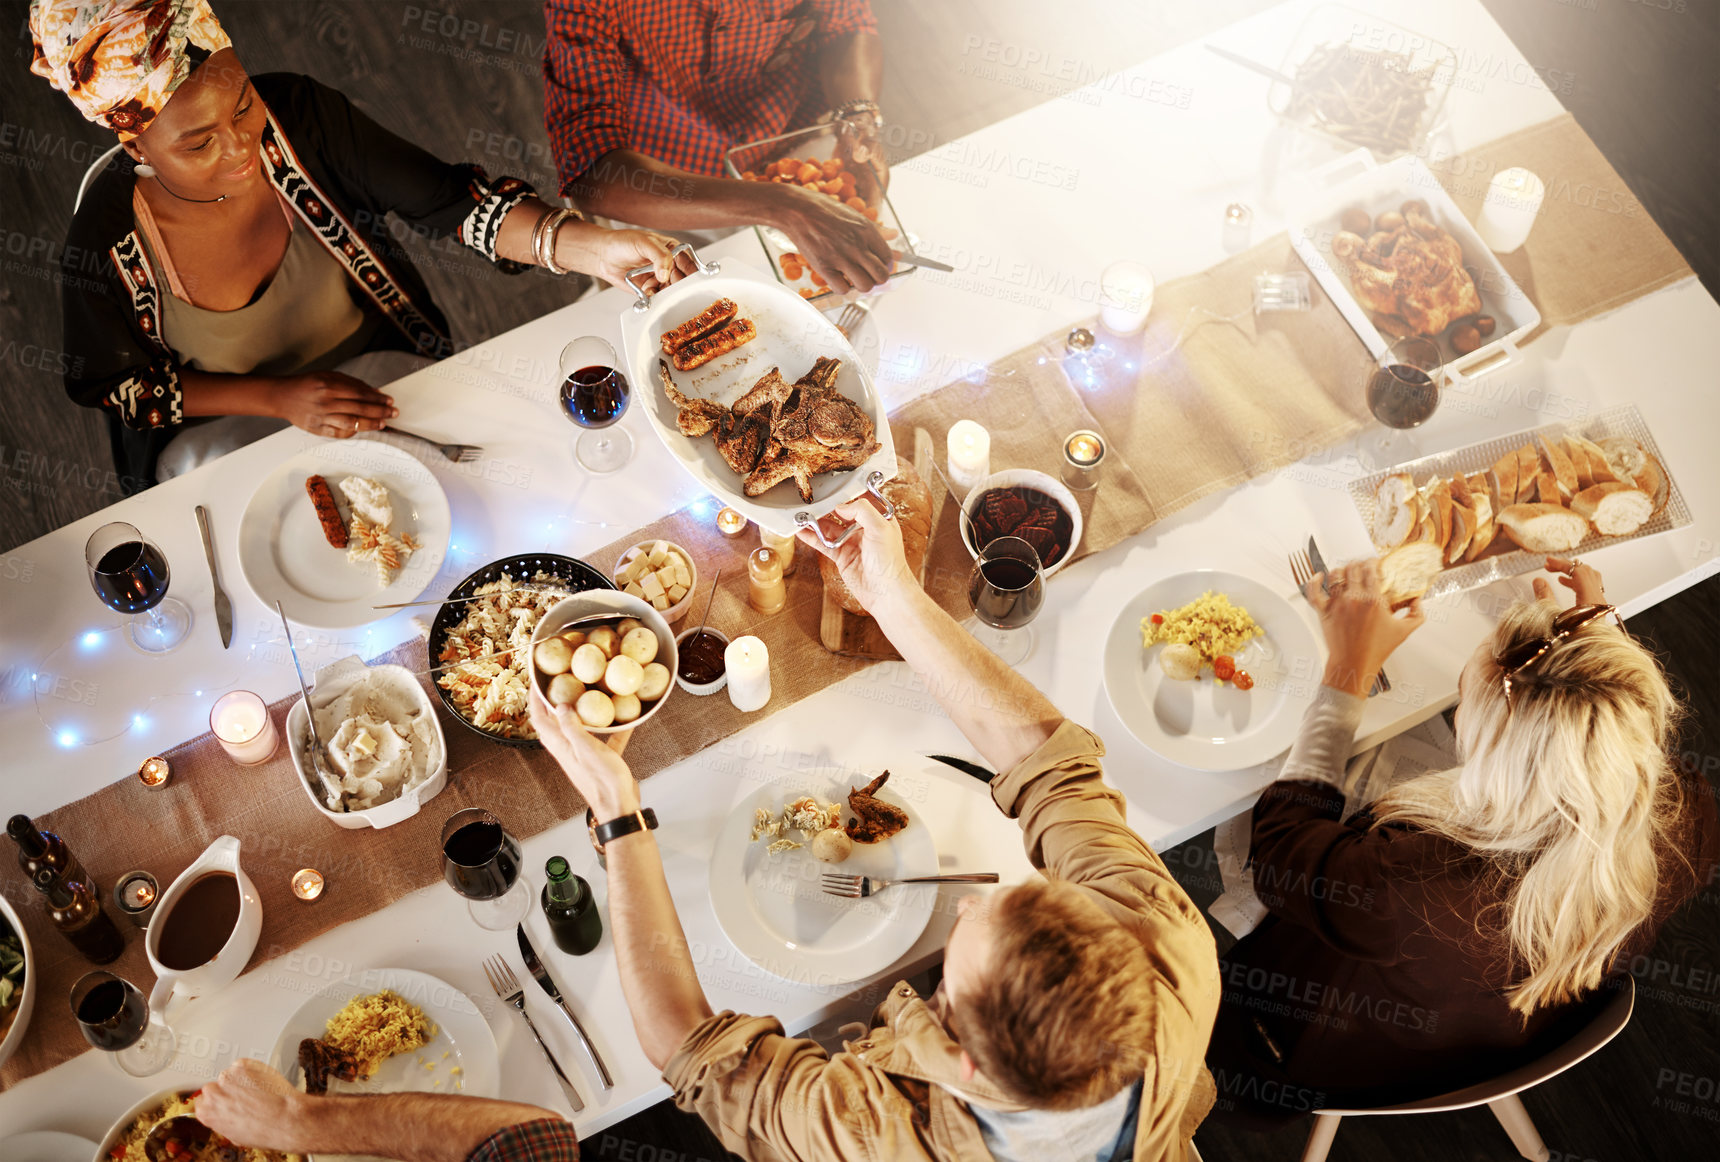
point(120, 60)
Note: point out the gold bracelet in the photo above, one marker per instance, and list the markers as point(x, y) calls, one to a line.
point(544, 241)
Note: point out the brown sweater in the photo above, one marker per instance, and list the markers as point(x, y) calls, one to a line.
point(1368, 983)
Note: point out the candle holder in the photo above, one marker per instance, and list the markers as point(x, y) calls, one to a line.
point(308, 884)
point(731, 523)
point(244, 727)
point(154, 772)
point(1083, 453)
point(135, 896)
point(1238, 227)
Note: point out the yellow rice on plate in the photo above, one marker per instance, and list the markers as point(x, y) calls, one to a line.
point(129, 1148)
point(374, 1028)
point(1210, 623)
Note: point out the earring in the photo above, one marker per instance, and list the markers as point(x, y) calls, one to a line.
point(145, 170)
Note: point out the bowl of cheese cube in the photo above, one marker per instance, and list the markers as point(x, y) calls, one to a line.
point(661, 574)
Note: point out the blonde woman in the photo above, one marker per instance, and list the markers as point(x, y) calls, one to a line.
point(1466, 921)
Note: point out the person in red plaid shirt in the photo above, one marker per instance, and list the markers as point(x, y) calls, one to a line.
point(642, 97)
point(253, 1105)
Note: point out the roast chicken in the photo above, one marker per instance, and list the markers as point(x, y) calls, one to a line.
point(1411, 275)
point(874, 820)
point(780, 430)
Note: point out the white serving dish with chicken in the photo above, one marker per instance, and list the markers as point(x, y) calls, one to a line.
point(771, 410)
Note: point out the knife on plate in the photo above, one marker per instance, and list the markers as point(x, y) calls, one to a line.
point(547, 983)
point(223, 607)
point(1381, 682)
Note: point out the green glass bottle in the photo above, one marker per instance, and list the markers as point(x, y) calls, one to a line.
point(572, 912)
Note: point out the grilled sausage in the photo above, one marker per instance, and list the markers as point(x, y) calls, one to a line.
point(718, 315)
point(707, 347)
point(334, 528)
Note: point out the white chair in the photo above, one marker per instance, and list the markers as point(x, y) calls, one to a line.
point(96, 167)
point(1499, 1094)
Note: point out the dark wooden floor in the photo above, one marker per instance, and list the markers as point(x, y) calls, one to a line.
point(1639, 75)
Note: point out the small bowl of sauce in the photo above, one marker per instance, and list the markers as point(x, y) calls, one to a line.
point(700, 668)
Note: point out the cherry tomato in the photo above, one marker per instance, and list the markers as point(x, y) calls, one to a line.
point(1243, 680)
point(1223, 667)
point(1158, 619)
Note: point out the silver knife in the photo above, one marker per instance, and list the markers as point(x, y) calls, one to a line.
point(922, 260)
point(223, 607)
point(1381, 682)
point(545, 982)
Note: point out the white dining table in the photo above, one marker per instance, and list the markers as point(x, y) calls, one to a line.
point(1138, 164)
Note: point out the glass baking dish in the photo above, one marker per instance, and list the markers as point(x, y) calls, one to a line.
point(815, 144)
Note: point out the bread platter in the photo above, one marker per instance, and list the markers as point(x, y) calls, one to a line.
point(1498, 508)
point(770, 327)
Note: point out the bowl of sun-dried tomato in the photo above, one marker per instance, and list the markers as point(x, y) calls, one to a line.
point(1019, 502)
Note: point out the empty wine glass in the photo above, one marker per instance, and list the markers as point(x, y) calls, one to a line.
point(114, 1017)
point(481, 861)
point(1402, 393)
point(1006, 589)
point(594, 395)
point(130, 574)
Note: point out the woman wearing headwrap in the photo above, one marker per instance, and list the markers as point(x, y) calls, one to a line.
point(240, 251)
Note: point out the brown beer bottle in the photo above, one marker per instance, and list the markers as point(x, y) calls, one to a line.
point(76, 911)
point(39, 849)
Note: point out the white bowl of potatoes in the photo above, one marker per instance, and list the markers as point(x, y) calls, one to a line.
point(615, 673)
point(660, 573)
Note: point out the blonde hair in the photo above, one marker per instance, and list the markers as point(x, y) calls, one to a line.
point(1568, 791)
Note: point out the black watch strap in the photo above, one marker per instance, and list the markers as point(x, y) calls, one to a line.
point(605, 833)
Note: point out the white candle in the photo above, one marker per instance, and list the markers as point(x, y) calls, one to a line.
point(969, 450)
point(1125, 297)
point(748, 664)
point(1513, 199)
point(243, 727)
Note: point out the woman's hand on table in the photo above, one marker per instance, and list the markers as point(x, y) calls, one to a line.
point(328, 403)
point(594, 766)
point(872, 561)
point(253, 1105)
point(1359, 625)
point(1582, 580)
point(610, 254)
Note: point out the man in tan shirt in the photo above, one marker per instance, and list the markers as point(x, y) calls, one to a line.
point(1075, 1009)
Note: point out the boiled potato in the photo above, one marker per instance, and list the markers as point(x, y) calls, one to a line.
point(655, 682)
point(606, 639)
point(553, 656)
point(565, 690)
point(832, 845)
point(627, 708)
point(595, 708)
point(623, 675)
point(640, 644)
point(627, 625)
point(574, 638)
point(589, 662)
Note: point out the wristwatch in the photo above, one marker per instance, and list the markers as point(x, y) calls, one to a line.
point(604, 834)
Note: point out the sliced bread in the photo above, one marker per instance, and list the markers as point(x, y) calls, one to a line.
point(1485, 528)
point(1598, 467)
point(1407, 572)
point(1615, 509)
point(1528, 472)
point(1462, 530)
point(1502, 479)
point(1547, 489)
point(1564, 472)
point(1543, 528)
point(1395, 511)
point(1630, 461)
point(1579, 462)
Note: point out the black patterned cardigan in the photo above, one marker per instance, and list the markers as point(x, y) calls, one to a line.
point(342, 174)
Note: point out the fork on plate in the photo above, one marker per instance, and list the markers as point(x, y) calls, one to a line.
point(459, 453)
point(1302, 569)
point(507, 986)
point(857, 887)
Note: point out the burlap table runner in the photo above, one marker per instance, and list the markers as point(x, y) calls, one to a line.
point(1200, 402)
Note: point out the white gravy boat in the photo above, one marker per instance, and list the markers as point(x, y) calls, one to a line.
point(225, 966)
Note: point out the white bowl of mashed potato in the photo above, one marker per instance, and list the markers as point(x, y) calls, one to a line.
point(385, 752)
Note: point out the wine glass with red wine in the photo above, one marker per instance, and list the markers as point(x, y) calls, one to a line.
point(130, 574)
point(594, 395)
point(1006, 589)
point(114, 1017)
point(481, 861)
point(1403, 393)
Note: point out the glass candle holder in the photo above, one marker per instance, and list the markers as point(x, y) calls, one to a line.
point(135, 895)
point(244, 727)
point(154, 772)
point(1083, 452)
point(308, 884)
point(731, 523)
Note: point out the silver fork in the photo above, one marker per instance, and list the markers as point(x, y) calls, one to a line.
point(1302, 569)
point(459, 453)
point(852, 316)
point(507, 987)
point(857, 887)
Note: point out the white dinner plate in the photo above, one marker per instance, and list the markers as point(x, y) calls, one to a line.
point(46, 1146)
point(775, 912)
point(284, 555)
point(463, 1040)
point(1203, 724)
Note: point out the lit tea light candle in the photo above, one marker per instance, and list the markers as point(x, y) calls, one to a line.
point(308, 884)
point(782, 546)
point(1238, 225)
point(766, 591)
point(1082, 453)
point(1125, 297)
point(748, 664)
point(731, 523)
point(969, 449)
point(243, 727)
point(1508, 213)
point(135, 896)
point(154, 772)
